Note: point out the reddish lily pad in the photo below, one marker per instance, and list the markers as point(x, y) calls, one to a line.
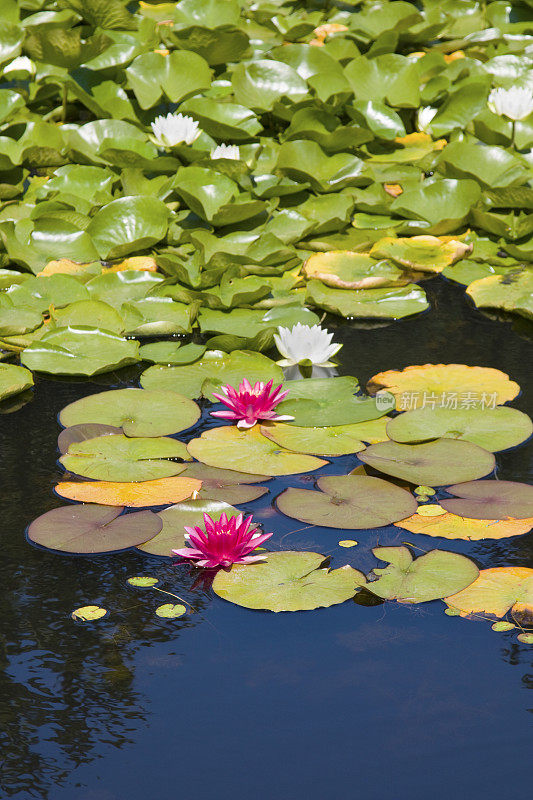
point(80, 433)
point(93, 528)
point(348, 501)
point(490, 500)
point(437, 463)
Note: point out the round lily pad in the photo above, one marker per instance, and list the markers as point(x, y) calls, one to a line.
point(88, 613)
point(288, 581)
point(226, 485)
point(497, 591)
point(119, 458)
point(333, 441)
point(137, 411)
point(437, 463)
point(170, 610)
point(159, 492)
point(348, 501)
point(491, 428)
point(244, 450)
point(92, 528)
point(142, 581)
point(171, 353)
point(14, 379)
point(80, 433)
point(429, 577)
point(320, 402)
point(490, 500)
point(174, 519)
point(458, 385)
point(451, 526)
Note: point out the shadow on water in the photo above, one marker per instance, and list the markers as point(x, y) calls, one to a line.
point(392, 701)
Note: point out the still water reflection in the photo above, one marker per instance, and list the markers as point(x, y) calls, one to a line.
point(385, 701)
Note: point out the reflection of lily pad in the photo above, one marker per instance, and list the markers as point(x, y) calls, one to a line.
point(497, 591)
point(344, 269)
point(434, 463)
point(92, 528)
point(243, 450)
point(190, 513)
point(137, 411)
point(332, 441)
point(348, 501)
point(159, 492)
point(429, 577)
point(226, 485)
point(494, 499)
point(455, 384)
point(119, 458)
point(216, 366)
point(288, 581)
point(494, 429)
point(452, 526)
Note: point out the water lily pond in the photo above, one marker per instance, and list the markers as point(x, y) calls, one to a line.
point(265, 397)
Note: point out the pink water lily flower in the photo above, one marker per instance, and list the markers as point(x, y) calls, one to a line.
point(223, 543)
point(248, 404)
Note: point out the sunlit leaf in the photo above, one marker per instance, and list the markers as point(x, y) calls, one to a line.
point(497, 591)
point(171, 610)
point(143, 582)
point(88, 613)
point(160, 492)
point(451, 526)
point(13, 380)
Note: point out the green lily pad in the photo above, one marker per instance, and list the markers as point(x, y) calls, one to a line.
point(288, 581)
point(127, 225)
point(177, 75)
point(230, 447)
point(226, 485)
point(190, 513)
point(437, 463)
point(13, 380)
point(337, 440)
point(79, 351)
point(170, 610)
point(424, 253)
point(490, 500)
point(220, 368)
point(117, 288)
point(171, 353)
point(344, 269)
point(327, 402)
point(41, 293)
point(143, 581)
point(92, 528)
point(511, 292)
point(119, 458)
point(15, 320)
point(492, 428)
point(435, 575)
point(157, 316)
point(348, 501)
point(80, 433)
point(90, 313)
point(137, 411)
point(382, 303)
point(88, 613)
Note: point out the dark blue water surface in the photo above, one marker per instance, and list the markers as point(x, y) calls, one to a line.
point(382, 702)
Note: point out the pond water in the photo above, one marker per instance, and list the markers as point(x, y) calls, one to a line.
point(387, 702)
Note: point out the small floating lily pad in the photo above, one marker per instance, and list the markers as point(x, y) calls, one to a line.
point(429, 577)
point(142, 581)
point(170, 610)
point(88, 613)
point(288, 581)
point(490, 499)
point(119, 458)
point(244, 450)
point(92, 528)
point(348, 501)
point(436, 463)
point(137, 411)
point(174, 519)
point(491, 428)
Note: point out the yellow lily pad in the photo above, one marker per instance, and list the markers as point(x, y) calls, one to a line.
point(497, 591)
point(452, 526)
point(424, 253)
point(88, 613)
point(160, 492)
point(345, 269)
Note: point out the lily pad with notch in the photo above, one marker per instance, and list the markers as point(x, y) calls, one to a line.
point(490, 499)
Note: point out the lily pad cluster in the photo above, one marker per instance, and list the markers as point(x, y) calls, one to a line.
point(330, 159)
point(141, 470)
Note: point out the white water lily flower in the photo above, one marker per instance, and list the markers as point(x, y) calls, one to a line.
point(226, 151)
point(515, 103)
point(425, 115)
point(20, 64)
point(174, 129)
point(305, 344)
